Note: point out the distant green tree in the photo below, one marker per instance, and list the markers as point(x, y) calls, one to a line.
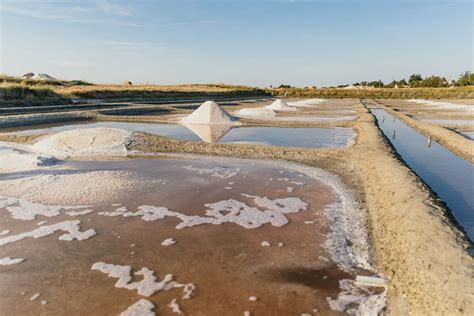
point(465, 79)
point(415, 80)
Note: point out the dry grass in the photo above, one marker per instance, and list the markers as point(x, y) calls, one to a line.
point(379, 93)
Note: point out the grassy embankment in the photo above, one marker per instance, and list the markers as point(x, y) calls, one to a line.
point(35, 91)
point(14, 89)
point(379, 93)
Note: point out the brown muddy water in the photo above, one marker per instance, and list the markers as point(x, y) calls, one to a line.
point(224, 260)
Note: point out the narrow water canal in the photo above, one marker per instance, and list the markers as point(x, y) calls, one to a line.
point(449, 176)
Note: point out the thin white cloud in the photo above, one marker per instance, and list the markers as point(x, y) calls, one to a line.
point(69, 64)
point(114, 8)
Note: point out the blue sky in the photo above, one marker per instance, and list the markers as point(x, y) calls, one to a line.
point(253, 42)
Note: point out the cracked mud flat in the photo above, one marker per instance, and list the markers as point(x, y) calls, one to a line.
point(221, 253)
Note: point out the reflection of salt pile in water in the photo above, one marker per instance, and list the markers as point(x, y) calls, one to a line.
point(85, 142)
point(257, 112)
point(441, 105)
point(209, 133)
point(280, 105)
point(306, 103)
point(209, 113)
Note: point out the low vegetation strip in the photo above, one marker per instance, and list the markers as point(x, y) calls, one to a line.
point(377, 93)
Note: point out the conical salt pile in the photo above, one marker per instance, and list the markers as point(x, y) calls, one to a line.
point(280, 105)
point(208, 113)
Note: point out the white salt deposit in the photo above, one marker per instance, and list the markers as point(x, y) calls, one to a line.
point(280, 244)
point(255, 112)
point(17, 162)
point(219, 172)
point(35, 296)
point(353, 300)
point(141, 308)
point(85, 142)
point(41, 223)
point(9, 261)
point(26, 210)
point(209, 113)
point(227, 211)
point(78, 213)
point(252, 298)
point(290, 189)
point(441, 105)
point(280, 105)
point(265, 244)
point(145, 287)
point(72, 229)
point(168, 242)
point(5, 232)
point(247, 313)
point(44, 302)
point(175, 307)
point(309, 222)
point(306, 103)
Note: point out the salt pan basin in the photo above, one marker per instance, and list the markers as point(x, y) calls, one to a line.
point(293, 137)
point(219, 213)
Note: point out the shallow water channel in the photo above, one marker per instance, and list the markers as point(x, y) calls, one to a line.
point(293, 137)
point(449, 176)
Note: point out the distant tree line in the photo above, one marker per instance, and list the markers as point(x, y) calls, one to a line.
point(417, 81)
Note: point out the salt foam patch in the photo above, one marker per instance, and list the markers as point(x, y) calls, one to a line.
point(72, 229)
point(86, 142)
point(26, 210)
point(9, 261)
point(141, 308)
point(145, 287)
point(227, 211)
point(219, 172)
point(175, 307)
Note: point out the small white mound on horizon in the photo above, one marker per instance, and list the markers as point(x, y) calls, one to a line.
point(280, 105)
point(86, 142)
point(209, 113)
point(256, 112)
point(42, 76)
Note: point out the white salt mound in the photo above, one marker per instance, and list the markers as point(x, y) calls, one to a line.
point(280, 105)
point(9, 261)
point(209, 113)
point(256, 112)
point(86, 142)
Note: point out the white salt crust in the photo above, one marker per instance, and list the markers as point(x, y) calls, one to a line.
point(357, 300)
point(72, 229)
point(9, 261)
point(168, 242)
point(255, 112)
point(265, 244)
point(227, 211)
point(145, 287)
point(252, 298)
point(5, 232)
point(78, 213)
point(26, 210)
point(141, 308)
point(175, 307)
point(218, 172)
point(35, 296)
